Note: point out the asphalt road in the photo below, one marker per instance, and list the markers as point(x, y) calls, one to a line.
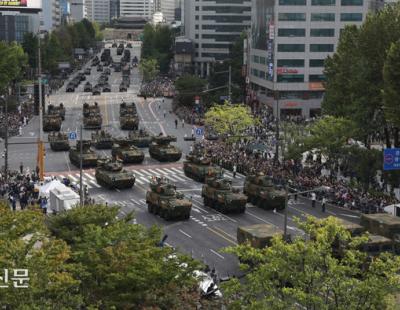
point(207, 232)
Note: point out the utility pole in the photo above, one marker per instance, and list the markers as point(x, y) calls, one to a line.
point(80, 169)
point(40, 141)
point(229, 84)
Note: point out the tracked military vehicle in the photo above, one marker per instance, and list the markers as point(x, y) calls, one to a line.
point(161, 149)
point(125, 109)
point(110, 174)
point(102, 140)
point(92, 121)
point(128, 153)
point(58, 141)
point(261, 192)
point(89, 157)
point(198, 167)
point(87, 108)
point(57, 110)
point(258, 235)
point(219, 195)
point(128, 117)
point(140, 138)
point(162, 199)
point(51, 122)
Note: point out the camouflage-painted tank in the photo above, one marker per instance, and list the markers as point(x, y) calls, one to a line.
point(219, 195)
point(92, 121)
point(261, 192)
point(88, 109)
point(102, 140)
point(128, 153)
point(161, 149)
point(89, 157)
point(258, 235)
point(127, 109)
point(140, 138)
point(162, 199)
point(51, 122)
point(58, 141)
point(382, 224)
point(129, 122)
point(198, 167)
point(60, 110)
point(110, 174)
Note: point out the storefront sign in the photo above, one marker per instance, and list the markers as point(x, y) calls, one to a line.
point(290, 104)
point(316, 86)
point(22, 4)
point(286, 71)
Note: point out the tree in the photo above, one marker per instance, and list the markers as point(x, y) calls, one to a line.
point(12, 61)
point(229, 119)
point(148, 69)
point(188, 86)
point(30, 45)
point(307, 274)
point(391, 92)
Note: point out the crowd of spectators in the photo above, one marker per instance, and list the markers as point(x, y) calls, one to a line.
point(16, 119)
point(161, 86)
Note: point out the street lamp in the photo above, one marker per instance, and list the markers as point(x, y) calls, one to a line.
point(287, 195)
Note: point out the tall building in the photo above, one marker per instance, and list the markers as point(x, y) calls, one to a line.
point(288, 43)
point(213, 26)
point(114, 9)
point(50, 15)
point(98, 10)
point(167, 7)
point(77, 10)
point(13, 27)
point(137, 8)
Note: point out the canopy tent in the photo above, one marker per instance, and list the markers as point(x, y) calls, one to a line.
point(45, 189)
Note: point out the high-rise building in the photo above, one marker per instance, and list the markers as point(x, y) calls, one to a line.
point(288, 43)
point(98, 10)
point(50, 15)
point(167, 8)
point(213, 26)
point(13, 27)
point(77, 10)
point(114, 9)
point(137, 8)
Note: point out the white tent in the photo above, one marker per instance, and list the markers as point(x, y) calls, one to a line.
point(45, 189)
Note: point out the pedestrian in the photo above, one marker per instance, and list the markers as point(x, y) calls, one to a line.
point(191, 149)
point(164, 113)
point(323, 204)
point(313, 199)
point(183, 122)
point(20, 131)
point(234, 171)
point(21, 168)
point(176, 124)
point(192, 132)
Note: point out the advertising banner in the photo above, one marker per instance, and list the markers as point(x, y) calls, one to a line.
point(21, 5)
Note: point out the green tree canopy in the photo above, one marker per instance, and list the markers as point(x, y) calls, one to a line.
point(30, 45)
point(148, 69)
point(188, 86)
point(12, 61)
point(306, 274)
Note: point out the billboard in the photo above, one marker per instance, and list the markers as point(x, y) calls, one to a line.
point(30, 5)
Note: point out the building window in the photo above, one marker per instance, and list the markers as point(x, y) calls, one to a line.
point(256, 59)
point(261, 74)
point(197, 17)
point(296, 32)
point(196, 36)
point(316, 78)
point(352, 2)
point(291, 47)
point(197, 8)
point(351, 17)
point(292, 16)
point(322, 17)
point(197, 26)
point(322, 32)
point(290, 62)
point(321, 47)
point(292, 2)
point(290, 78)
point(323, 2)
point(263, 60)
point(317, 62)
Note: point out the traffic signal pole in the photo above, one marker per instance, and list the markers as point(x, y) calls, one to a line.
point(40, 161)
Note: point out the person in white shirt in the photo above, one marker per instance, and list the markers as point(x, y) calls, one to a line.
point(323, 204)
point(313, 199)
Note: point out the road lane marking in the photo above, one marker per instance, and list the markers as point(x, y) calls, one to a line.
point(177, 170)
point(330, 212)
point(89, 176)
point(179, 178)
point(216, 253)
point(186, 234)
point(222, 236)
point(259, 218)
point(117, 190)
point(169, 171)
point(146, 172)
point(171, 178)
point(155, 117)
point(135, 171)
point(349, 215)
point(73, 178)
point(139, 181)
point(154, 172)
point(95, 184)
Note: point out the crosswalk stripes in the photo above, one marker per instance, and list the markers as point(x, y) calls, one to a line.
point(137, 180)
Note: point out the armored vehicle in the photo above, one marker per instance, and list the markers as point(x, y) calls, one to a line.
point(96, 90)
point(89, 157)
point(123, 87)
point(102, 140)
point(129, 122)
point(120, 49)
point(259, 235)
point(99, 68)
point(114, 45)
point(106, 88)
point(383, 224)
point(87, 87)
point(58, 141)
point(162, 199)
point(198, 167)
point(140, 138)
point(127, 109)
point(129, 45)
point(70, 87)
point(261, 192)
point(60, 110)
point(51, 122)
point(219, 195)
point(117, 67)
point(161, 149)
point(88, 71)
point(128, 153)
point(87, 109)
point(110, 174)
point(95, 61)
point(92, 121)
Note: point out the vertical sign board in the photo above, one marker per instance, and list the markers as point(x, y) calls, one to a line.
point(391, 159)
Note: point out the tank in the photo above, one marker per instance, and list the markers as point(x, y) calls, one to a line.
point(383, 224)
point(58, 110)
point(92, 121)
point(140, 138)
point(51, 122)
point(162, 199)
point(89, 157)
point(127, 152)
point(198, 167)
point(87, 109)
point(128, 117)
point(58, 141)
point(219, 195)
point(161, 149)
point(259, 235)
point(102, 140)
point(127, 109)
point(110, 174)
point(261, 192)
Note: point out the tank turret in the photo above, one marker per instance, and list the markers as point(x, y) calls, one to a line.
point(58, 141)
point(110, 173)
point(140, 138)
point(51, 122)
point(198, 167)
point(89, 157)
point(128, 153)
point(102, 139)
point(162, 150)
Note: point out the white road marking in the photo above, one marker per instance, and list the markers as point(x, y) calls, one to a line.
point(161, 171)
point(95, 184)
point(169, 171)
point(186, 234)
point(216, 253)
point(72, 177)
point(117, 190)
point(196, 210)
point(330, 212)
point(139, 181)
point(179, 178)
point(177, 170)
point(89, 176)
point(170, 177)
point(259, 218)
point(135, 171)
point(144, 179)
point(349, 215)
point(146, 172)
point(154, 172)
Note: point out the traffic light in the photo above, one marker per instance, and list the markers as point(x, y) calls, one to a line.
point(36, 98)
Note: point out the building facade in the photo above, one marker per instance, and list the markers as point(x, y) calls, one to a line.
point(98, 11)
point(167, 8)
point(287, 46)
point(14, 27)
point(114, 9)
point(50, 15)
point(137, 8)
point(77, 10)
